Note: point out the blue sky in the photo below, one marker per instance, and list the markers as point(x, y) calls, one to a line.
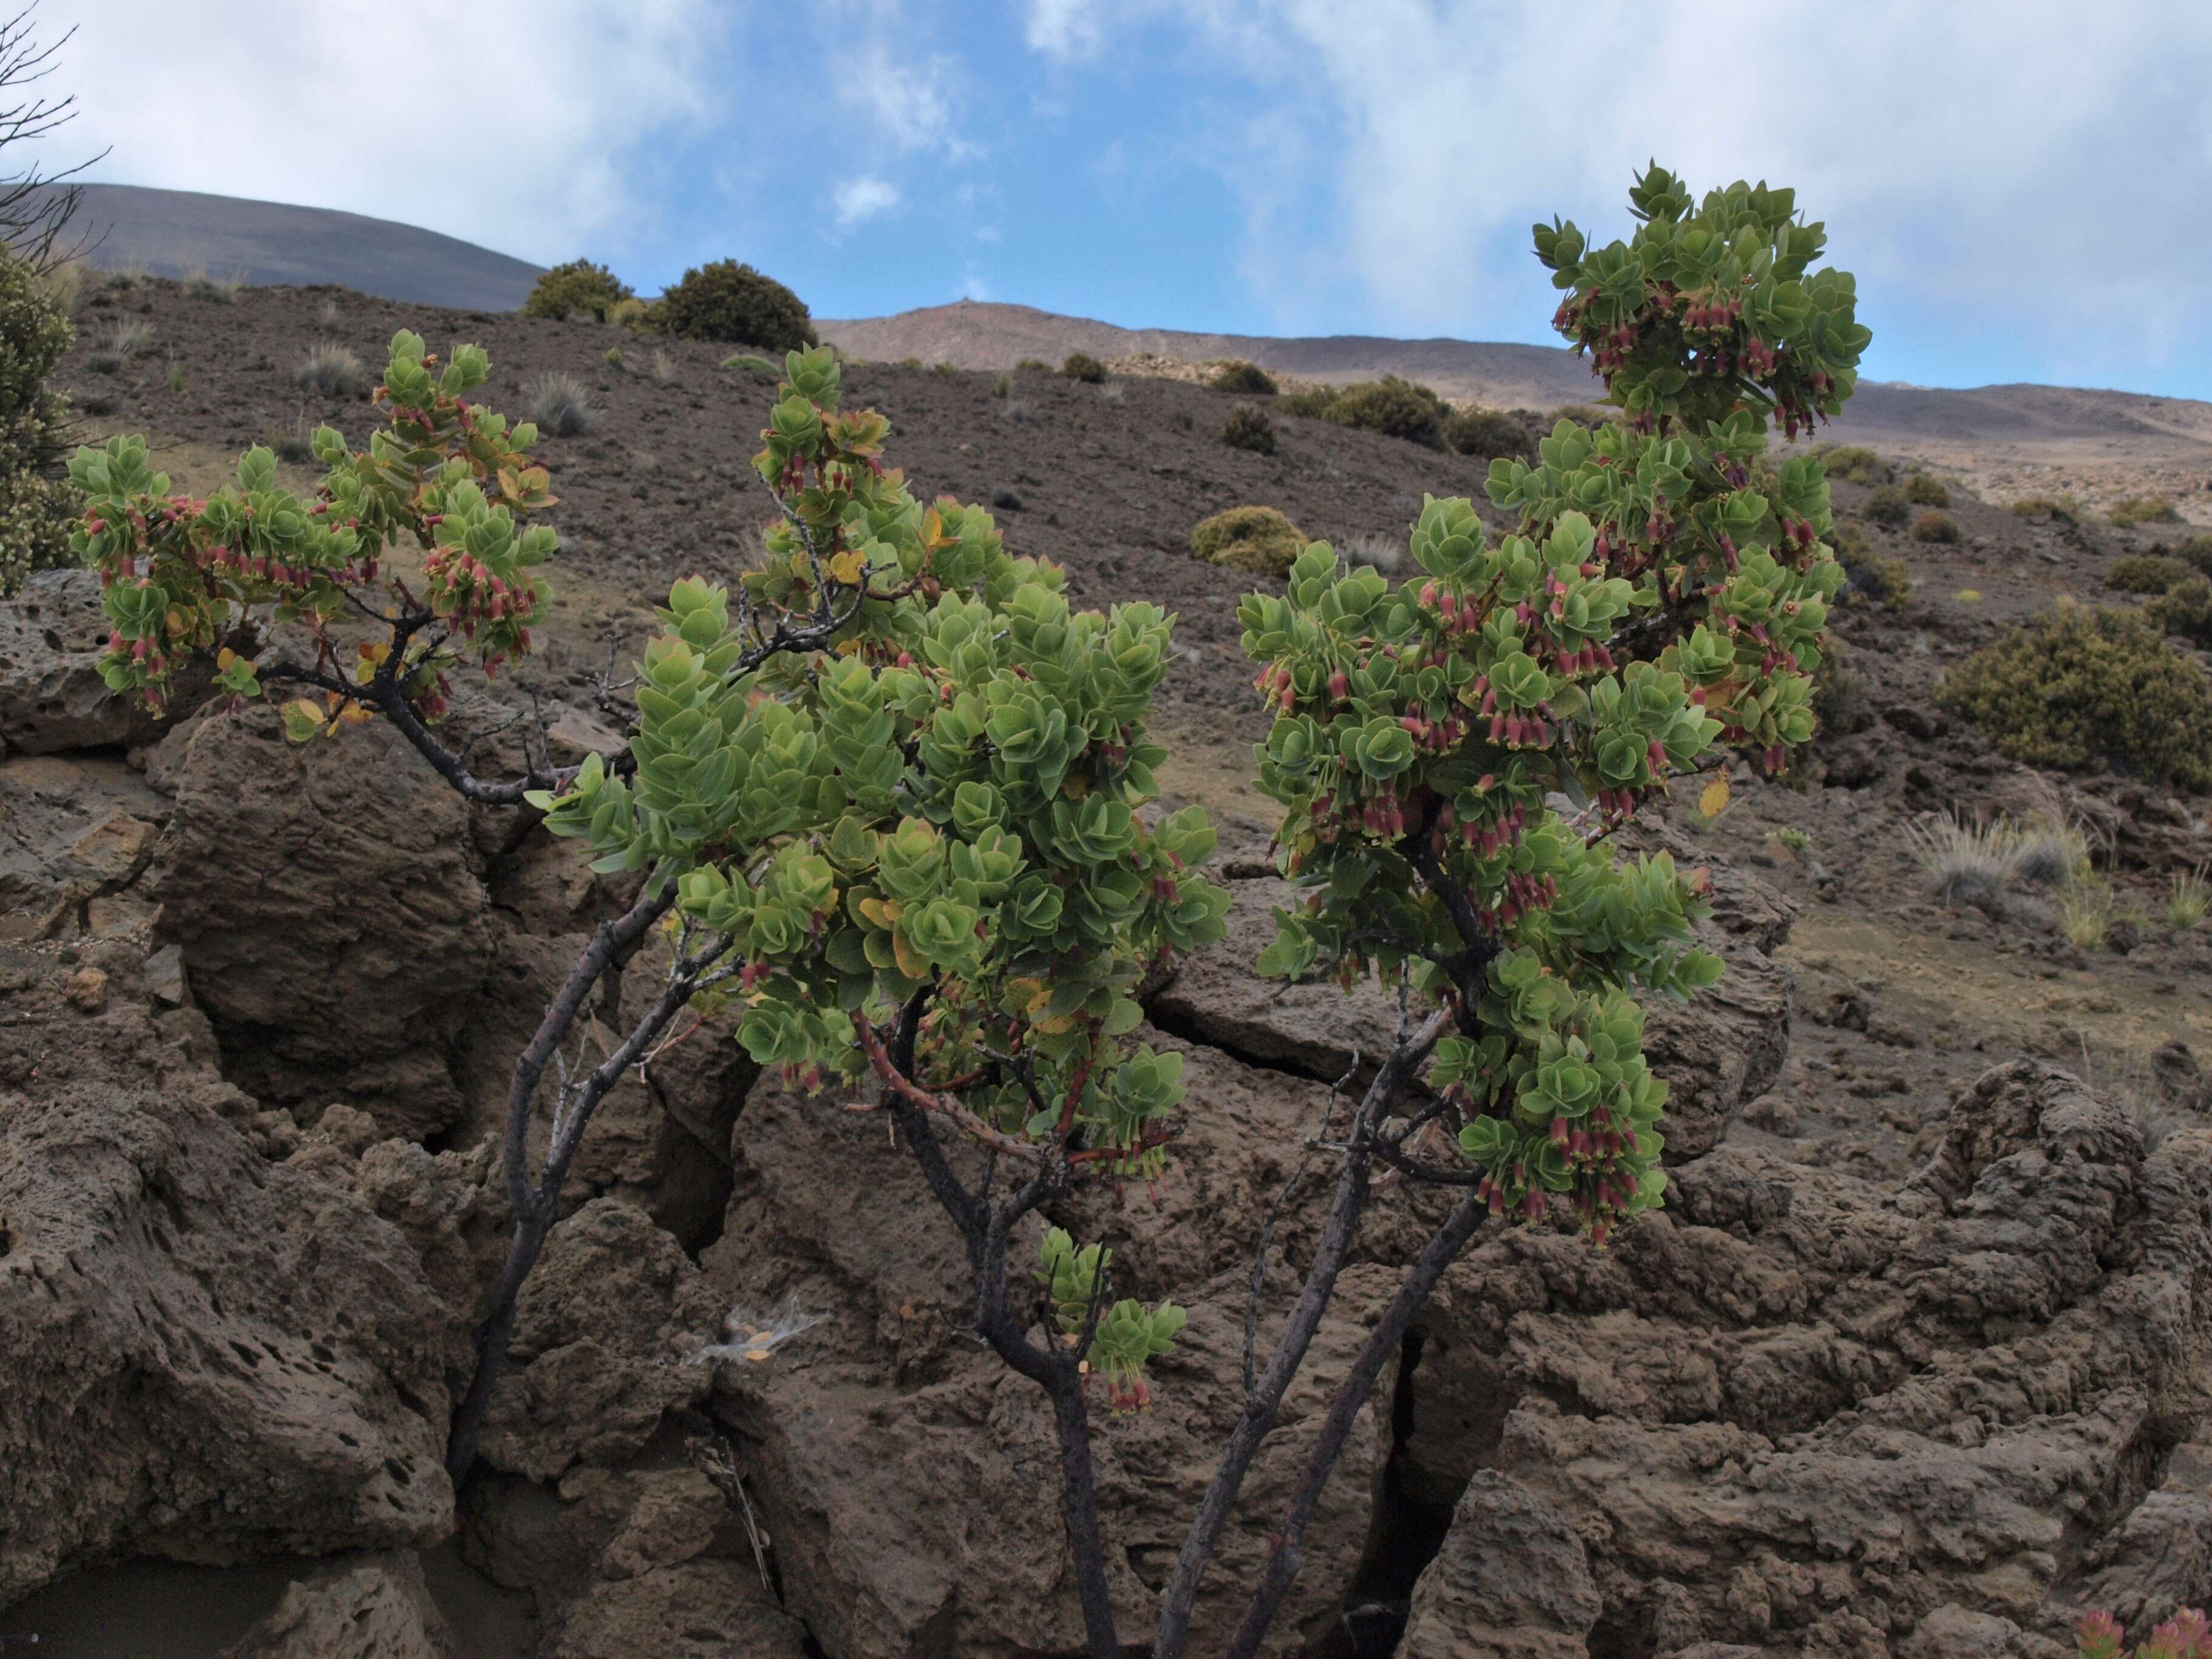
point(2021, 188)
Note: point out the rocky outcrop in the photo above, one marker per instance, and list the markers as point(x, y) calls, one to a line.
point(77, 833)
point(332, 923)
point(605, 1335)
point(1798, 1414)
point(1511, 1582)
point(209, 1357)
point(910, 1481)
point(374, 1607)
point(53, 635)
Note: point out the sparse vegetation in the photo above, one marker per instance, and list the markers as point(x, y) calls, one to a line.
point(1249, 427)
point(332, 370)
point(1258, 539)
point(1243, 379)
point(1887, 506)
point(2134, 510)
point(37, 503)
point(1934, 526)
point(1854, 463)
point(2188, 900)
point(1394, 406)
point(176, 377)
point(1925, 490)
point(734, 303)
point(2148, 573)
point(2066, 509)
point(2185, 609)
point(1875, 580)
point(2197, 550)
point(2084, 689)
point(1002, 385)
point(2085, 910)
point(1487, 433)
point(578, 288)
point(634, 315)
point(1839, 694)
point(223, 290)
point(1082, 366)
point(759, 367)
point(1967, 864)
point(613, 358)
point(664, 367)
point(560, 404)
point(295, 444)
point(1033, 366)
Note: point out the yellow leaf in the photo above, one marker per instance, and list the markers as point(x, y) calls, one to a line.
point(1031, 994)
point(909, 963)
point(847, 567)
point(1714, 800)
point(758, 1355)
point(881, 911)
point(1059, 1027)
point(223, 658)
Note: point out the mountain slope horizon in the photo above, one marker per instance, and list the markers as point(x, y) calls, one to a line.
point(2023, 437)
point(181, 233)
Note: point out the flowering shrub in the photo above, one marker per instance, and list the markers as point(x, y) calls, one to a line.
point(1649, 606)
point(884, 791)
point(2187, 1635)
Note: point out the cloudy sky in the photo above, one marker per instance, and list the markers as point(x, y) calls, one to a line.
point(2024, 188)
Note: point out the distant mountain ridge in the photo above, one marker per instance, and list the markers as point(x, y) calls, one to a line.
point(178, 232)
point(2001, 439)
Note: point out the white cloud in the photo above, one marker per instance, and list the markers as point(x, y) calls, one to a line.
point(1992, 159)
point(910, 99)
point(1063, 28)
point(863, 199)
point(452, 116)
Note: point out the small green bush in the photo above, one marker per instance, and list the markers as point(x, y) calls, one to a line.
point(2186, 609)
point(1001, 385)
point(1924, 489)
point(1839, 694)
point(38, 504)
point(635, 315)
point(1033, 366)
point(2148, 573)
point(613, 358)
point(1887, 506)
point(2065, 508)
point(1934, 526)
point(1247, 380)
point(1874, 579)
point(1396, 407)
point(2143, 509)
point(1254, 538)
point(577, 288)
point(728, 301)
point(1249, 427)
point(1393, 406)
point(2083, 689)
point(1487, 433)
point(1082, 366)
point(2197, 550)
point(1854, 463)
